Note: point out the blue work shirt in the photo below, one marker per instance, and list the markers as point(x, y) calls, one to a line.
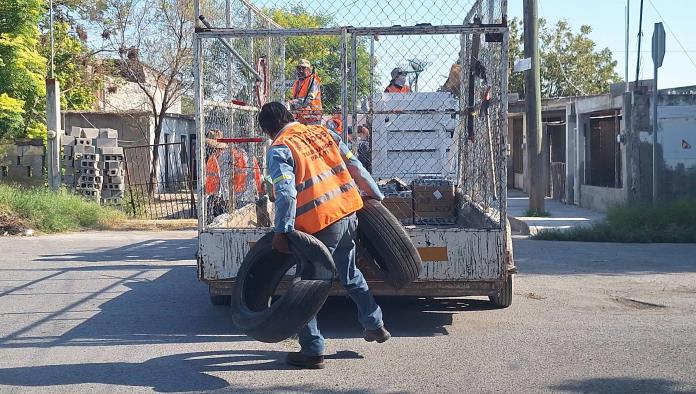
point(281, 169)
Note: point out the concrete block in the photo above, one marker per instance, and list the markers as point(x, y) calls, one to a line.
point(112, 201)
point(110, 150)
point(117, 193)
point(106, 142)
point(114, 172)
point(95, 179)
point(88, 171)
point(31, 160)
point(110, 164)
point(76, 131)
point(117, 180)
point(67, 140)
point(83, 141)
point(33, 150)
point(88, 164)
point(91, 156)
point(82, 149)
point(89, 133)
point(108, 133)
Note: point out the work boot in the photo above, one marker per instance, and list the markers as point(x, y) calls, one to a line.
point(380, 335)
point(298, 359)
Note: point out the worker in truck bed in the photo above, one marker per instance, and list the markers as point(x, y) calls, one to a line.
point(315, 182)
point(398, 82)
point(306, 95)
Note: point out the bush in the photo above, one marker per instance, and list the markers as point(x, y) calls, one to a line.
point(668, 221)
point(51, 212)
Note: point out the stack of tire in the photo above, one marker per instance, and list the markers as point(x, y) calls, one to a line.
point(393, 257)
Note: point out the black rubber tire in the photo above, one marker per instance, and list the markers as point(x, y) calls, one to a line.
point(504, 297)
point(395, 258)
point(258, 277)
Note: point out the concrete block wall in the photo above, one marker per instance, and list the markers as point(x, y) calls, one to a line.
point(93, 164)
point(22, 162)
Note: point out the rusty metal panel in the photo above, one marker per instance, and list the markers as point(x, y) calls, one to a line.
point(470, 254)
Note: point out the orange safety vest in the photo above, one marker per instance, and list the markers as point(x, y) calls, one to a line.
point(395, 89)
point(240, 171)
point(310, 114)
point(212, 175)
point(326, 192)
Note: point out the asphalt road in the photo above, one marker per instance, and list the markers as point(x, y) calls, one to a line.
point(123, 312)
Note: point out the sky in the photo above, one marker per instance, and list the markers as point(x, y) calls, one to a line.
point(606, 17)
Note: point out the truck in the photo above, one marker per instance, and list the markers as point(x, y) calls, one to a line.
point(439, 153)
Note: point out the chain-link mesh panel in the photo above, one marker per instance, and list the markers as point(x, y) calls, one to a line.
point(423, 107)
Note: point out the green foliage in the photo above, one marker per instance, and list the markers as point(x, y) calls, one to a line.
point(668, 221)
point(22, 67)
point(322, 51)
point(571, 64)
point(50, 212)
point(74, 68)
point(11, 120)
point(536, 214)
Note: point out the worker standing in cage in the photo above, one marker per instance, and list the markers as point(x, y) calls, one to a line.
point(217, 174)
point(398, 82)
point(316, 183)
point(335, 124)
point(306, 95)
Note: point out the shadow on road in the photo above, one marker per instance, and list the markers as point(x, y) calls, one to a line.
point(154, 249)
point(619, 385)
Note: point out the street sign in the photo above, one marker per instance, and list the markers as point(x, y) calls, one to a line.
point(523, 65)
point(658, 44)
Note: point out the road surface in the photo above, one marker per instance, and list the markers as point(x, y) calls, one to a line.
point(123, 312)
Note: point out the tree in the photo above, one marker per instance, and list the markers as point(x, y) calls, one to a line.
point(570, 63)
point(153, 45)
point(322, 51)
point(77, 71)
point(22, 69)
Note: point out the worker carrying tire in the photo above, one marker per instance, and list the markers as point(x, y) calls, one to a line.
point(306, 95)
point(316, 180)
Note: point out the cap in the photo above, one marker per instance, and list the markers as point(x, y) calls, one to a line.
point(211, 139)
point(304, 63)
point(396, 72)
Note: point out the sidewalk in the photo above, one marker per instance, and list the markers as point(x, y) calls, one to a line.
point(562, 216)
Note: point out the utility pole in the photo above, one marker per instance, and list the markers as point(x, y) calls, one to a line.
point(658, 55)
point(52, 119)
point(532, 84)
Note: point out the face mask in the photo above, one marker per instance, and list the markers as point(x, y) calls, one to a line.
point(400, 80)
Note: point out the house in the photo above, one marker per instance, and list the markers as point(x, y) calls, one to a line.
point(599, 148)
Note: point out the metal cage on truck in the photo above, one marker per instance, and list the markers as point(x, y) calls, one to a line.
point(438, 151)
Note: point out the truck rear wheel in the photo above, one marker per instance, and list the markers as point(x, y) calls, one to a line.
point(254, 309)
point(395, 258)
point(504, 297)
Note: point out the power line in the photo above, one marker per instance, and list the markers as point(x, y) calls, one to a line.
point(673, 35)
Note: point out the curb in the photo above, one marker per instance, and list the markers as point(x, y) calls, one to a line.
point(518, 226)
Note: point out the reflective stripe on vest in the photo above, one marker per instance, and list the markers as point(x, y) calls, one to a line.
point(326, 192)
point(312, 112)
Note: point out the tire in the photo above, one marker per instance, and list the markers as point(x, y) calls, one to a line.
point(396, 260)
point(259, 276)
point(504, 297)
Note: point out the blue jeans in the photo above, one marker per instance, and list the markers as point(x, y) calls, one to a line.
point(339, 238)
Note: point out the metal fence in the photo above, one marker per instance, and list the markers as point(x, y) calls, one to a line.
point(441, 142)
point(164, 190)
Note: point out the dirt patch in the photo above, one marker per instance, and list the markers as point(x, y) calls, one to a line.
point(636, 304)
point(152, 225)
point(534, 296)
point(10, 224)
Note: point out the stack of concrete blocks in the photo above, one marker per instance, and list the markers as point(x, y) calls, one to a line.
point(93, 164)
